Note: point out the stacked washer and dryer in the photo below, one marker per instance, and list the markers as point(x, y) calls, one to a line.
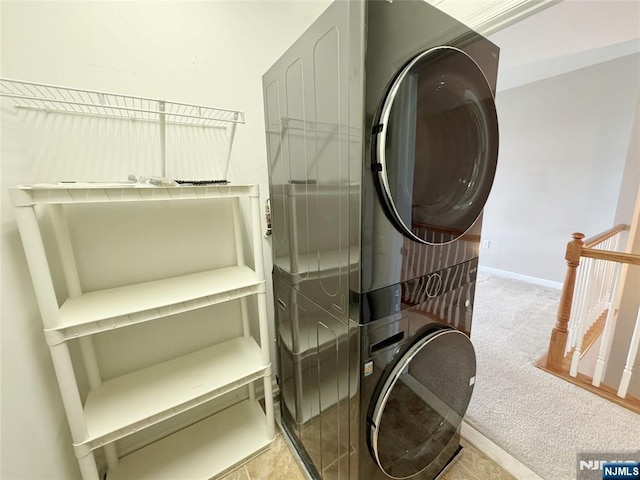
point(382, 144)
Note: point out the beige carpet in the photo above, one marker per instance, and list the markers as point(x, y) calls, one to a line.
point(539, 419)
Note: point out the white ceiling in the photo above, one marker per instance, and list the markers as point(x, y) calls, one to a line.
point(542, 38)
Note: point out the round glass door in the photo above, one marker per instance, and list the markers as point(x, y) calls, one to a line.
point(435, 146)
point(421, 403)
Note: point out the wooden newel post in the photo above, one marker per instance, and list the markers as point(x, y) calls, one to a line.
point(559, 334)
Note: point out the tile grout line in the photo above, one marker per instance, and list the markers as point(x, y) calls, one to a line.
point(467, 469)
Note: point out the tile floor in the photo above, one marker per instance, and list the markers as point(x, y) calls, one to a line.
point(278, 463)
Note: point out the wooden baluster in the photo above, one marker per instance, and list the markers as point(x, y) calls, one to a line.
point(559, 333)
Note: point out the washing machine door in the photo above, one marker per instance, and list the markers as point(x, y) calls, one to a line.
point(421, 402)
point(435, 146)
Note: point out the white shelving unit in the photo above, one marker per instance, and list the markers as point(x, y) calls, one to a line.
point(127, 404)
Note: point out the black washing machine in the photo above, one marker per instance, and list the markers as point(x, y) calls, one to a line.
point(417, 374)
point(382, 144)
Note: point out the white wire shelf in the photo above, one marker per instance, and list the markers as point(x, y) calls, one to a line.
point(53, 98)
point(76, 101)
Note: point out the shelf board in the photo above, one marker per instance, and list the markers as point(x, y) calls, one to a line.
point(202, 450)
point(103, 310)
point(142, 398)
point(87, 192)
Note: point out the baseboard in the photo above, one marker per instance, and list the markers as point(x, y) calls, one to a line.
point(518, 276)
point(497, 454)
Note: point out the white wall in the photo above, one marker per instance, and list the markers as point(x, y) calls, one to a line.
point(630, 299)
point(569, 35)
point(555, 130)
point(563, 148)
point(211, 53)
point(631, 174)
point(568, 96)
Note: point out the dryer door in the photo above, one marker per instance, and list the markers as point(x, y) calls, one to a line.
point(435, 146)
point(421, 402)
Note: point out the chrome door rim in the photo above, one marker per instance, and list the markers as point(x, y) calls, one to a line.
point(388, 386)
point(380, 136)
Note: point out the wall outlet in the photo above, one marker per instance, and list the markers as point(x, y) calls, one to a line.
point(486, 243)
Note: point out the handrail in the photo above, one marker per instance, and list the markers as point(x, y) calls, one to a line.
point(620, 257)
point(601, 237)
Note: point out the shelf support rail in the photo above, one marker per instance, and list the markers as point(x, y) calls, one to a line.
point(232, 133)
point(244, 311)
point(265, 343)
point(74, 289)
point(162, 120)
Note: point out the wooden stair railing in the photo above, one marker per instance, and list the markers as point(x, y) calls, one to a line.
point(575, 331)
point(558, 341)
point(575, 249)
